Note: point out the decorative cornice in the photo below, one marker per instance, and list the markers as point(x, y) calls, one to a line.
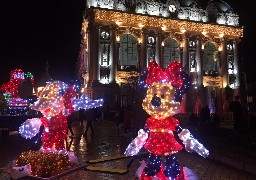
point(134, 20)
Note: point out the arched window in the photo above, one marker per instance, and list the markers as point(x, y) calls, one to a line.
point(171, 52)
point(128, 54)
point(210, 59)
point(230, 58)
point(151, 49)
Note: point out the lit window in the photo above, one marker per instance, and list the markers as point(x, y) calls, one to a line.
point(229, 47)
point(172, 8)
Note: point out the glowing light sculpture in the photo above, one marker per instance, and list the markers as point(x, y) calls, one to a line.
point(56, 102)
point(86, 103)
point(10, 90)
point(162, 102)
point(30, 128)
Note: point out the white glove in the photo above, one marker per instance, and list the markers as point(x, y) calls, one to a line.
point(191, 144)
point(135, 146)
point(30, 128)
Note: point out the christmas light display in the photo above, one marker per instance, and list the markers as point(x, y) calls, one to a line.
point(43, 164)
point(142, 80)
point(16, 77)
point(30, 128)
point(56, 102)
point(10, 90)
point(85, 103)
point(133, 20)
point(55, 105)
point(162, 102)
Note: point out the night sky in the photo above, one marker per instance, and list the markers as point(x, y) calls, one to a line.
point(35, 32)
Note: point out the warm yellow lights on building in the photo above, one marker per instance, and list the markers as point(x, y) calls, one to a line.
point(221, 35)
point(124, 77)
point(183, 30)
point(141, 25)
point(139, 40)
point(224, 83)
point(117, 38)
point(163, 28)
point(132, 20)
point(204, 33)
point(118, 23)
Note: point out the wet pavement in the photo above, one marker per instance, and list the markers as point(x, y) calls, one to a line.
point(108, 143)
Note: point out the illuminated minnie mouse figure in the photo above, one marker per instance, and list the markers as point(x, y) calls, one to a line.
point(162, 131)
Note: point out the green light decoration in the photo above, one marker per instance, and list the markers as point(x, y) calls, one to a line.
point(7, 95)
point(28, 75)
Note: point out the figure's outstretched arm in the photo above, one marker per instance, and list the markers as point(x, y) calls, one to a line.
point(191, 144)
point(135, 146)
point(30, 128)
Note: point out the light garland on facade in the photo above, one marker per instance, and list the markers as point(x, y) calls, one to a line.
point(170, 24)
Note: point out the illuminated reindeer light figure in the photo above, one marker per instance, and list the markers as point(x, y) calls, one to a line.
point(162, 102)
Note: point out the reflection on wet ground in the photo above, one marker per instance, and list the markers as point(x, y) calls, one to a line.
point(107, 143)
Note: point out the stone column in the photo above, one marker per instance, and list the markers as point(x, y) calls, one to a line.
point(158, 48)
point(185, 65)
point(113, 57)
point(185, 59)
point(96, 61)
point(199, 62)
point(224, 74)
point(224, 63)
point(236, 64)
point(93, 50)
point(143, 50)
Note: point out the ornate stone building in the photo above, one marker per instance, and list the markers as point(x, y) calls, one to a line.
point(121, 37)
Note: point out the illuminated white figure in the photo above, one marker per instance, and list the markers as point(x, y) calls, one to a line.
point(56, 102)
point(86, 103)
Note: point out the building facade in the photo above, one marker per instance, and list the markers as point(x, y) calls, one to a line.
point(120, 38)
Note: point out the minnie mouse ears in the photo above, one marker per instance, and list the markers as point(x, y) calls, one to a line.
point(172, 74)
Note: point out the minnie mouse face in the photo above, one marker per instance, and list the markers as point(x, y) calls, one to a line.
point(165, 90)
point(159, 102)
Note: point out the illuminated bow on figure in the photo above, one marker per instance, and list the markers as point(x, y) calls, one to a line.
point(172, 74)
